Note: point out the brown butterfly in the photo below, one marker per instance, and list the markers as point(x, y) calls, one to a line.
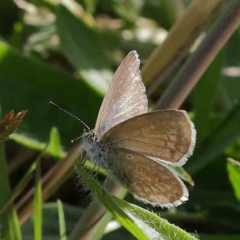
point(137, 147)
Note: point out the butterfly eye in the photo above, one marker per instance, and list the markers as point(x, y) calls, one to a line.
point(90, 140)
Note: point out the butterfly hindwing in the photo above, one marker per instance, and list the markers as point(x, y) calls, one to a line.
point(166, 135)
point(150, 181)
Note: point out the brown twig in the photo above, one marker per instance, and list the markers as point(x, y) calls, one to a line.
point(201, 59)
point(180, 38)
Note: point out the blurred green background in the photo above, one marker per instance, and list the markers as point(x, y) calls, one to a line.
point(67, 53)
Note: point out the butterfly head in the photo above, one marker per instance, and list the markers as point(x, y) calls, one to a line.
point(88, 140)
point(96, 150)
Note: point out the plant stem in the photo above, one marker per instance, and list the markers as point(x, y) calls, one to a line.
point(201, 59)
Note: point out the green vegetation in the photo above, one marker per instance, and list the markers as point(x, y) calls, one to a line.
point(67, 53)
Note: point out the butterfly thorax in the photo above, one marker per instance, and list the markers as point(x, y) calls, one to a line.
point(96, 150)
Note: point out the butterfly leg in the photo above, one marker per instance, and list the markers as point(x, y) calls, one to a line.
point(83, 159)
point(103, 192)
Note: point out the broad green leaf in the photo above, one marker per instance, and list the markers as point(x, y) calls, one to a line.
point(90, 6)
point(220, 208)
point(233, 168)
point(33, 84)
point(141, 223)
point(169, 10)
point(208, 199)
point(8, 8)
point(84, 49)
point(233, 150)
point(204, 97)
point(62, 224)
point(227, 132)
point(127, 11)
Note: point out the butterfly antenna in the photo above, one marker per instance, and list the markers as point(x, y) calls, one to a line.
point(63, 110)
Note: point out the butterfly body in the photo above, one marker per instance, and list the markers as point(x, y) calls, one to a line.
point(137, 147)
point(96, 150)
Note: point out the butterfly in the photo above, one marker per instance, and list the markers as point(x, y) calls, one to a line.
point(138, 147)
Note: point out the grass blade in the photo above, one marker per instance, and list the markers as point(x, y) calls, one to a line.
point(9, 220)
point(83, 47)
point(38, 204)
point(233, 168)
point(20, 186)
point(62, 224)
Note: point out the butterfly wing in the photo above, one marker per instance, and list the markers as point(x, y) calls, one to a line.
point(150, 181)
point(167, 135)
point(125, 97)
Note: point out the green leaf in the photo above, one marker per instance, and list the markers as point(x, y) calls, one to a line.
point(38, 203)
point(34, 84)
point(62, 224)
point(141, 223)
point(219, 207)
point(84, 49)
point(219, 237)
point(54, 146)
point(227, 132)
point(90, 6)
point(39, 146)
point(169, 10)
point(204, 97)
point(127, 11)
point(233, 168)
point(182, 173)
point(209, 199)
point(8, 8)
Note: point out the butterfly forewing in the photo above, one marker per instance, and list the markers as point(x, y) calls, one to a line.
point(125, 97)
point(148, 180)
point(165, 135)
